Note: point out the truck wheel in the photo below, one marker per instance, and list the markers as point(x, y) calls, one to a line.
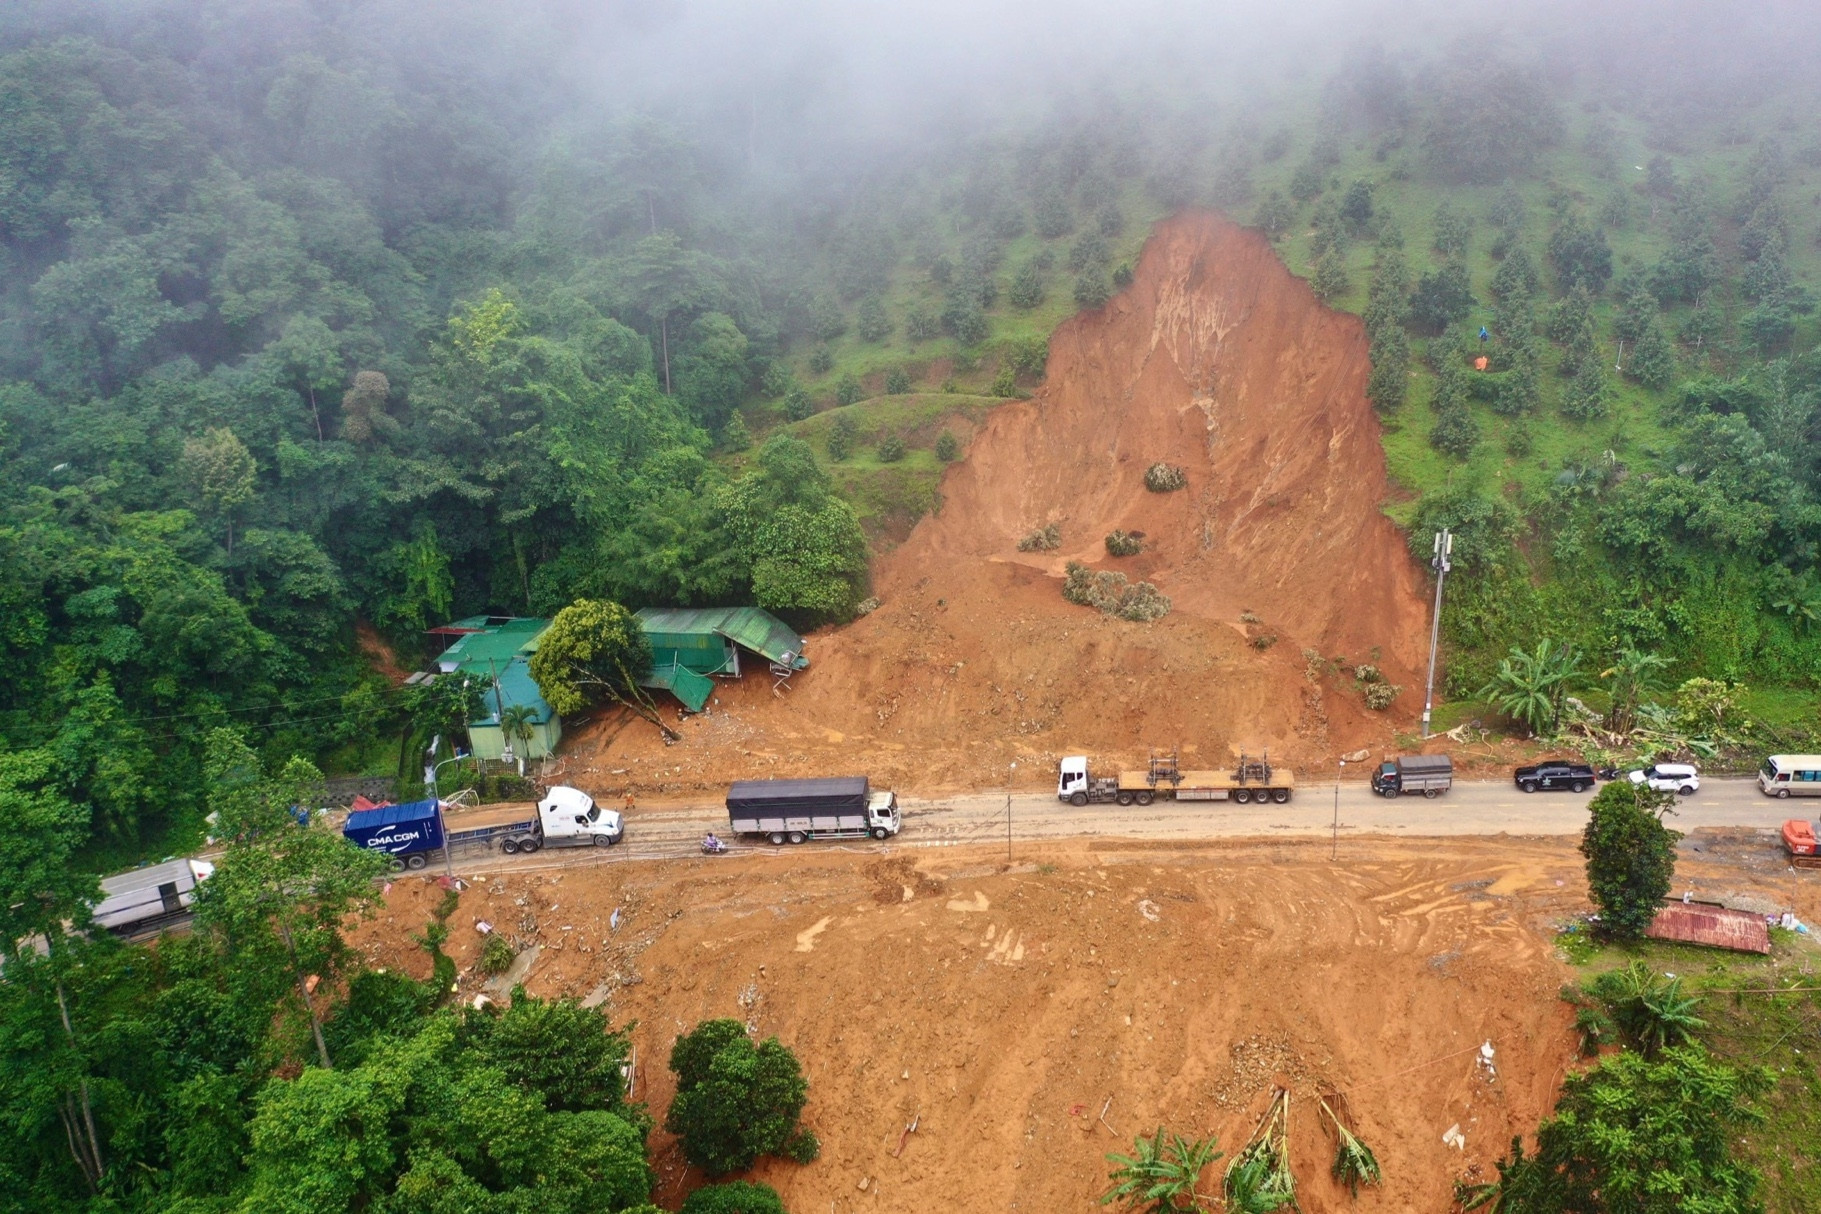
point(603, 840)
point(1242, 796)
point(1078, 799)
point(797, 836)
point(398, 866)
point(416, 862)
point(1144, 798)
point(1431, 793)
point(1783, 794)
point(529, 846)
point(1280, 795)
point(509, 847)
point(1528, 786)
point(1123, 797)
point(879, 832)
point(776, 838)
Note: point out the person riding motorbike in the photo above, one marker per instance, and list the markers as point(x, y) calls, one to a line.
point(711, 845)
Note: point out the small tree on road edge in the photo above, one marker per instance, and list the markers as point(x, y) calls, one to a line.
point(1631, 856)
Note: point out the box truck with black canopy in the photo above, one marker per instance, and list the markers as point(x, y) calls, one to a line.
point(795, 811)
point(1407, 775)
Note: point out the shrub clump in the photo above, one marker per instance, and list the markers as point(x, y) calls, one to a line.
point(1125, 543)
point(497, 955)
point(1165, 478)
point(891, 450)
point(1045, 539)
point(736, 1100)
point(1114, 593)
point(1377, 692)
point(948, 447)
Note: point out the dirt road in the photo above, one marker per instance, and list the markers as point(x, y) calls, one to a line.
point(1484, 808)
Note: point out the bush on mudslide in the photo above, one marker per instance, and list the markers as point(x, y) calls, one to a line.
point(1045, 539)
point(1114, 594)
point(1165, 478)
point(1125, 543)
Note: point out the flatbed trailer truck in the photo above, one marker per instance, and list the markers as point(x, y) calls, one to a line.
point(415, 832)
point(1253, 780)
point(796, 811)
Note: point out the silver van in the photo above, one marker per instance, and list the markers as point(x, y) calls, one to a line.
point(1791, 776)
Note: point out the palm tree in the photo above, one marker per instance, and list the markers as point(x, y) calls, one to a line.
point(516, 721)
point(1530, 687)
point(1253, 1188)
point(1633, 673)
point(1160, 1175)
point(1650, 1010)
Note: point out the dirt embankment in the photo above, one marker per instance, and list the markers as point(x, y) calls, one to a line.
point(1003, 1010)
point(1218, 360)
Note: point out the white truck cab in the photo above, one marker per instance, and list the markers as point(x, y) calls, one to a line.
point(1072, 777)
point(570, 818)
point(882, 813)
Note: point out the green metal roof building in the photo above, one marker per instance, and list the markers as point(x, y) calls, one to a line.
point(496, 652)
point(690, 645)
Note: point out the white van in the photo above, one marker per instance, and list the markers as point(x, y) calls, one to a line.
point(1791, 775)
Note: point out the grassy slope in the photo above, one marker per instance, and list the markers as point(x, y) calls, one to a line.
point(1407, 192)
point(1777, 1032)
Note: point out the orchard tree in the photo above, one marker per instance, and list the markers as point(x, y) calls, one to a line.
point(1653, 359)
point(1631, 856)
point(736, 1100)
point(1330, 278)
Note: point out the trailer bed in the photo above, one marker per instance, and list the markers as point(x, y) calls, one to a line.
point(489, 818)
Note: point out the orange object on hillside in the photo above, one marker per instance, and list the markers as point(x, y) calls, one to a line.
point(1479, 364)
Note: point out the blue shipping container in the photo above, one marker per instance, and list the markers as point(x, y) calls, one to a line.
point(397, 830)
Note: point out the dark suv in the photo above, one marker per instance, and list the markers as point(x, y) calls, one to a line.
point(1554, 773)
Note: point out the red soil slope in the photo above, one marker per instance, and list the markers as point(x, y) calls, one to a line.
point(1216, 359)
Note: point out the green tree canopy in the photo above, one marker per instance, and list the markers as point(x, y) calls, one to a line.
point(1630, 855)
point(736, 1100)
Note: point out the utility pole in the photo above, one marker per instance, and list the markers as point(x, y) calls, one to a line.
point(1334, 852)
point(1011, 773)
point(1440, 562)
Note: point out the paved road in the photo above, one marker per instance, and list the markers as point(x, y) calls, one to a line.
point(1469, 808)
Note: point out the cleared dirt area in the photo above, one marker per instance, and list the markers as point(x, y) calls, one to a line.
point(1001, 1007)
point(1216, 359)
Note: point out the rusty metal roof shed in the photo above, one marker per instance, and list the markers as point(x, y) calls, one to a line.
point(1711, 924)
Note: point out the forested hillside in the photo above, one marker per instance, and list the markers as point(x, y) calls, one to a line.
point(321, 327)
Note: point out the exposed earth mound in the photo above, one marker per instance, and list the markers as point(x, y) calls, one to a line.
point(1218, 361)
point(1006, 1011)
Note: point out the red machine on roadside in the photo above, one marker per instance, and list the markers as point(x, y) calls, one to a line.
point(1799, 842)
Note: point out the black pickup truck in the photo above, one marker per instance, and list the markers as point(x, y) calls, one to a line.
point(1554, 773)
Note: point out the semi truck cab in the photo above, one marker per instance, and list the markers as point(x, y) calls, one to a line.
point(570, 818)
